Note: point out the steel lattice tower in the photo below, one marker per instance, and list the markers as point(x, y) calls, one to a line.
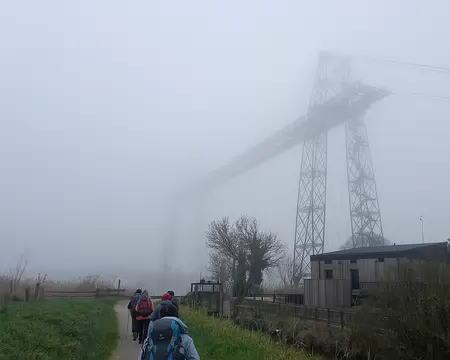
point(331, 77)
point(365, 217)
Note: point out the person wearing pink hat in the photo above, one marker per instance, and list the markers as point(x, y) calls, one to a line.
point(166, 297)
point(166, 300)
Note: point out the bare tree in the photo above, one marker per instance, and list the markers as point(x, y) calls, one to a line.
point(221, 238)
point(18, 272)
point(286, 271)
point(226, 248)
point(221, 270)
point(264, 249)
point(244, 248)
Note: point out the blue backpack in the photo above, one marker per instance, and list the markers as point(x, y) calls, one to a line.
point(134, 301)
point(163, 341)
point(136, 298)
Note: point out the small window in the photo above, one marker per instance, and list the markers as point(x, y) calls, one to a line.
point(380, 260)
point(353, 261)
point(328, 274)
point(328, 261)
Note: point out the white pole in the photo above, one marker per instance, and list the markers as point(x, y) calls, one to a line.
point(423, 238)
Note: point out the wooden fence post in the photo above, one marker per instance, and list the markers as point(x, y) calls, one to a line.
point(11, 288)
point(328, 316)
point(118, 289)
point(97, 292)
point(36, 291)
point(315, 313)
point(342, 319)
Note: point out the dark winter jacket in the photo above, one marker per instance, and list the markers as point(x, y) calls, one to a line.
point(175, 302)
point(133, 301)
point(156, 314)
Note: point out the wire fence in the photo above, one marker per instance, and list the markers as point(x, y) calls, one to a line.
point(333, 317)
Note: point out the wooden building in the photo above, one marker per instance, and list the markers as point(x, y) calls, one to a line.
point(336, 275)
point(208, 295)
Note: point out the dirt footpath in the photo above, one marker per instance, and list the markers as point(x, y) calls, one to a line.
point(127, 349)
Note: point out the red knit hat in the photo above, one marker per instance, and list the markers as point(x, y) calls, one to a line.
point(166, 296)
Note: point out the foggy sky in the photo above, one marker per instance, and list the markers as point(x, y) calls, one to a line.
point(108, 107)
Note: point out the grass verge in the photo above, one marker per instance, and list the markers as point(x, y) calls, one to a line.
point(60, 329)
point(219, 339)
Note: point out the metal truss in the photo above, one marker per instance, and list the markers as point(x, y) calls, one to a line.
point(333, 76)
point(365, 216)
point(311, 200)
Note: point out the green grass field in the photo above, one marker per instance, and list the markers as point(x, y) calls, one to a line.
point(60, 329)
point(218, 339)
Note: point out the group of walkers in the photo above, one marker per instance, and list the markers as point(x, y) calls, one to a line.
point(160, 330)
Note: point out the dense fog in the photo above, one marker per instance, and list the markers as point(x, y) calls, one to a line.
point(112, 112)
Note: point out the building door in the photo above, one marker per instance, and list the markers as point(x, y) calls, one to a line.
point(354, 277)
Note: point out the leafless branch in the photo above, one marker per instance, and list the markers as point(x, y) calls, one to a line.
point(220, 238)
point(286, 271)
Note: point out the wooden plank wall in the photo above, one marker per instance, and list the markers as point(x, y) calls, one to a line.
point(370, 270)
point(336, 292)
point(327, 293)
point(315, 270)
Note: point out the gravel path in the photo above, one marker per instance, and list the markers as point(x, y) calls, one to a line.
point(127, 349)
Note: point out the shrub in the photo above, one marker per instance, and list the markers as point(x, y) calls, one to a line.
point(410, 317)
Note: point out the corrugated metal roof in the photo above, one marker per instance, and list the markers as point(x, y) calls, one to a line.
point(383, 248)
point(375, 250)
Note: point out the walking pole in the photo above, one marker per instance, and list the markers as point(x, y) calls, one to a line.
point(128, 322)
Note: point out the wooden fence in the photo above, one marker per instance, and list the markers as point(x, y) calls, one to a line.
point(14, 291)
point(333, 317)
point(277, 297)
point(49, 293)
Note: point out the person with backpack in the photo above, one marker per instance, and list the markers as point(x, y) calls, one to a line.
point(144, 309)
point(132, 308)
point(174, 299)
point(166, 299)
point(168, 338)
